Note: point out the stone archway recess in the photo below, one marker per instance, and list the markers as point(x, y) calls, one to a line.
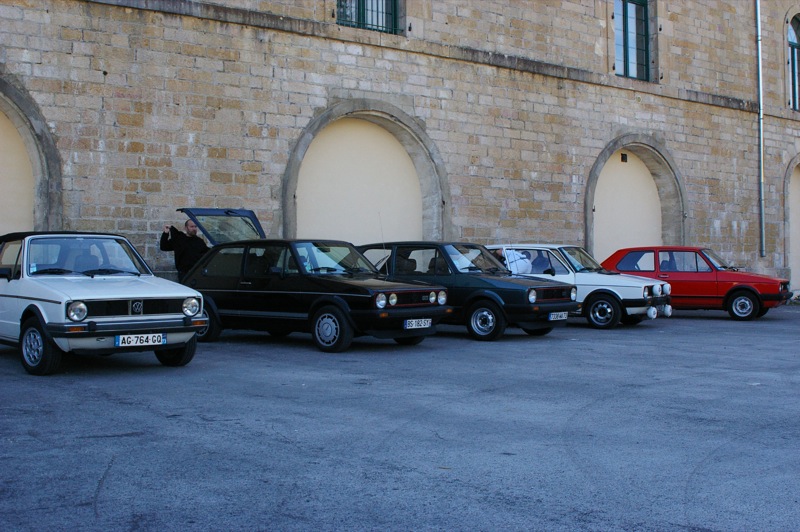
point(427, 162)
point(667, 179)
point(24, 113)
point(791, 211)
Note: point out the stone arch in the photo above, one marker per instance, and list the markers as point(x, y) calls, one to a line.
point(27, 118)
point(790, 200)
point(430, 168)
point(668, 181)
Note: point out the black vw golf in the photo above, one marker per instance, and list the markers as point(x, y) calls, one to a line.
point(323, 287)
point(485, 296)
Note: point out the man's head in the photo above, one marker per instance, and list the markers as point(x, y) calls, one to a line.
point(191, 228)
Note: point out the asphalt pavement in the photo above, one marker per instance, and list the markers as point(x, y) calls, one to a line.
point(687, 423)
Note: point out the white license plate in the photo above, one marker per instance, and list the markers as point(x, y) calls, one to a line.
point(554, 316)
point(417, 324)
point(132, 340)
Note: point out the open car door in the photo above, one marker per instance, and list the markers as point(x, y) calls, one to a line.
point(225, 225)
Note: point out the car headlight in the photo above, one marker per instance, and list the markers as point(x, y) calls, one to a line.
point(191, 306)
point(573, 294)
point(667, 289)
point(531, 296)
point(441, 297)
point(656, 289)
point(392, 300)
point(77, 311)
point(380, 300)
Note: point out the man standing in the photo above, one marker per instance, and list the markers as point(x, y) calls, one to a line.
point(188, 247)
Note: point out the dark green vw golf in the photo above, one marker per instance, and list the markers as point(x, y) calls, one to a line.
point(485, 296)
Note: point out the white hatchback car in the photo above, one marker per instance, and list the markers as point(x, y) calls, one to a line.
point(607, 297)
point(90, 293)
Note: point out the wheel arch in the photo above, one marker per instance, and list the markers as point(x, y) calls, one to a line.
point(487, 295)
point(336, 301)
point(741, 288)
point(600, 292)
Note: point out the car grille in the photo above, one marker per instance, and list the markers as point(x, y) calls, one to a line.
point(414, 299)
point(553, 294)
point(134, 307)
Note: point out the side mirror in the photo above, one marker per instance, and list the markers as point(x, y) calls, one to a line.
point(6, 273)
point(550, 271)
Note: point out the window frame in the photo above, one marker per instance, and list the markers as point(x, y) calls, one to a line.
point(793, 62)
point(393, 18)
point(622, 64)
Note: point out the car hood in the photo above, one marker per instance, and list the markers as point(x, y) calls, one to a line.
point(113, 286)
point(747, 277)
point(515, 281)
point(368, 282)
point(614, 279)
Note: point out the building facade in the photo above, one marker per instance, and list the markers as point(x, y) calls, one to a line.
point(599, 122)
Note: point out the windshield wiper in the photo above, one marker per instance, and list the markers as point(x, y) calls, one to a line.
point(495, 269)
point(326, 269)
point(108, 271)
point(53, 271)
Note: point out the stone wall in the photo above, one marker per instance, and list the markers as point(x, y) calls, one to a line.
point(200, 104)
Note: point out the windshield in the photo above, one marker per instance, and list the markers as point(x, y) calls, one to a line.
point(580, 259)
point(716, 260)
point(473, 258)
point(331, 257)
point(94, 255)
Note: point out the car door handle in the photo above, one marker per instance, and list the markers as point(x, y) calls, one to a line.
point(663, 276)
point(246, 283)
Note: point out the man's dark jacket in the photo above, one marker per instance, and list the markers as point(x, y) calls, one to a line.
point(188, 249)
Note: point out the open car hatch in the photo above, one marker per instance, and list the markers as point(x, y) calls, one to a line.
point(225, 225)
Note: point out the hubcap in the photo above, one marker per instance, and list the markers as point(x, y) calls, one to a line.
point(32, 347)
point(327, 329)
point(602, 312)
point(742, 306)
point(483, 321)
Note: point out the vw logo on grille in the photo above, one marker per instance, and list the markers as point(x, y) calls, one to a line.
point(137, 307)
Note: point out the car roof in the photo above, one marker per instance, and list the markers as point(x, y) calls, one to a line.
point(19, 235)
point(647, 248)
point(533, 245)
point(256, 241)
point(419, 243)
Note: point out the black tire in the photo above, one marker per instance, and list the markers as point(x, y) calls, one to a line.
point(485, 321)
point(179, 356)
point(603, 312)
point(538, 332)
point(211, 332)
point(743, 306)
point(331, 331)
point(635, 319)
point(409, 340)
point(762, 312)
point(38, 354)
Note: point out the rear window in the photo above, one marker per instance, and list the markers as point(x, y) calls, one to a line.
point(637, 261)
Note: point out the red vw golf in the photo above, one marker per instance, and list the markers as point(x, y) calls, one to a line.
point(700, 279)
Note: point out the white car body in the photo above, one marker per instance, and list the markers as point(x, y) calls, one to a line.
point(119, 307)
point(607, 297)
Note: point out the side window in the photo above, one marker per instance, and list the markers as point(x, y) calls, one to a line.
point(262, 261)
point(632, 39)
point(637, 261)
point(412, 261)
point(9, 255)
point(682, 261)
point(379, 257)
point(556, 264)
point(226, 263)
point(376, 15)
point(793, 38)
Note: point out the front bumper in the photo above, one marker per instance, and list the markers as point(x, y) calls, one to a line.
point(98, 337)
point(537, 316)
point(642, 305)
point(388, 323)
